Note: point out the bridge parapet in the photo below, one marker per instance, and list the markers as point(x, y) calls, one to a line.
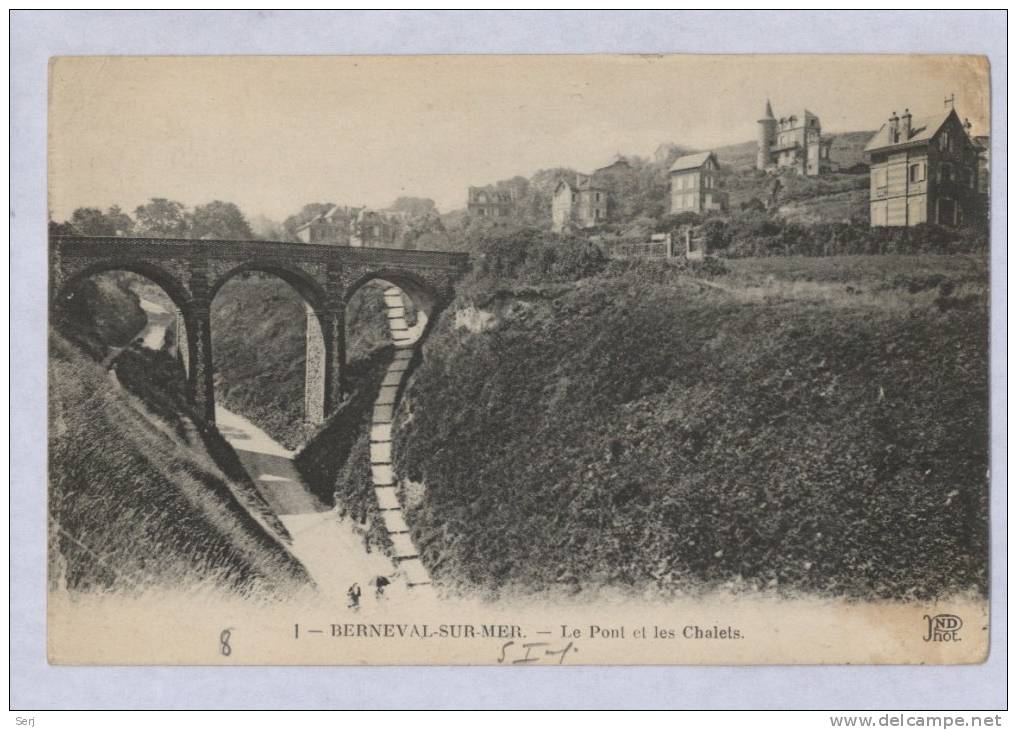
point(112, 246)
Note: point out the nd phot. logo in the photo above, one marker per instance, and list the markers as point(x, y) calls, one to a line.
point(942, 627)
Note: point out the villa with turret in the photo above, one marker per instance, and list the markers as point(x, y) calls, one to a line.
point(794, 142)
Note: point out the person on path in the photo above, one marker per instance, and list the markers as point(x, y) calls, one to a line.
point(353, 594)
point(380, 583)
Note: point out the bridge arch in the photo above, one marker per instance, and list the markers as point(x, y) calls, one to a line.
point(169, 283)
point(320, 370)
point(426, 299)
point(423, 295)
point(303, 282)
point(186, 323)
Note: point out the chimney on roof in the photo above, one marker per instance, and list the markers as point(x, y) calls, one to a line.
point(894, 124)
point(905, 125)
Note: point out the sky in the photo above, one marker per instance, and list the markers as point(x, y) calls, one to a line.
point(273, 133)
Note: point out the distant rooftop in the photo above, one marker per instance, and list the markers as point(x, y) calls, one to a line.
point(690, 162)
point(922, 130)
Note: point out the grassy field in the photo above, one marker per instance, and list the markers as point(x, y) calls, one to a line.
point(798, 425)
point(900, 282)
point(141, 498)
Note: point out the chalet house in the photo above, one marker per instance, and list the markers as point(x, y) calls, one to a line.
point(346, 226)
point(923, 170)
point(489, 202)
point(794, 142)
point(335, 226)
point(695, 184)
point(374, 229)
point(578, 203)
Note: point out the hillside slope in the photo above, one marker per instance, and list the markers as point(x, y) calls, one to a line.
point(141, 498)
point(646, 430)
point(846, 150)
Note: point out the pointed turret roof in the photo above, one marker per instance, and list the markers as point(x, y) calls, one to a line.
point(768, 114)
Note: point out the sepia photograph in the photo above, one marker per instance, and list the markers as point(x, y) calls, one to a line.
point(392, 340)
point(422, 357)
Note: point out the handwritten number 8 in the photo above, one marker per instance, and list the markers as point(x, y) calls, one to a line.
point(224, 643)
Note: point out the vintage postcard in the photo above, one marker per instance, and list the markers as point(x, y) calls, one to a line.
point(518, 360)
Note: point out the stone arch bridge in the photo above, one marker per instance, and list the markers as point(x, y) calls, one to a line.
point(326, 277)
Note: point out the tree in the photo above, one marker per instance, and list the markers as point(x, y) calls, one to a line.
point(93, 222)
point(162, 217)
point(219, 220)
point(123, 224)
point(62, 229)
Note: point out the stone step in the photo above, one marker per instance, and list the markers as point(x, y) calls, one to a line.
point(386, 396)
point(402, 545)
point(382, 414)
point(393, 377)
point(387, 498)
point(399, 366)
point(416, 573)
point(394, 521)
point(381, 475)
point(381, 432)
point(402, 354)
point(396, 312)
point(381, 453)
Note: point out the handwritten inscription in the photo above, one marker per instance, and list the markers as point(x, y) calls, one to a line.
point(224, 643)
point(535, 652)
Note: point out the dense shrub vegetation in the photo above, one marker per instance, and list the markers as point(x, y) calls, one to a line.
point(638, 429)
point(102, 311)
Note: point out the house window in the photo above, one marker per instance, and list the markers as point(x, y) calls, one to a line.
point(946, 172)
point(916, 172)
point(944, 142)
point(598, 197)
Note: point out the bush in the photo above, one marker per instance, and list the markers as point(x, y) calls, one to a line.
point(536, 255)
point(753, 233)
point(653, 436)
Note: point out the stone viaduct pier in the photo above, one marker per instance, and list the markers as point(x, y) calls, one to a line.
point(325, 276)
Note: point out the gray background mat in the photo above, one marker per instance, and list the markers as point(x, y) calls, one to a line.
point(38, 35)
